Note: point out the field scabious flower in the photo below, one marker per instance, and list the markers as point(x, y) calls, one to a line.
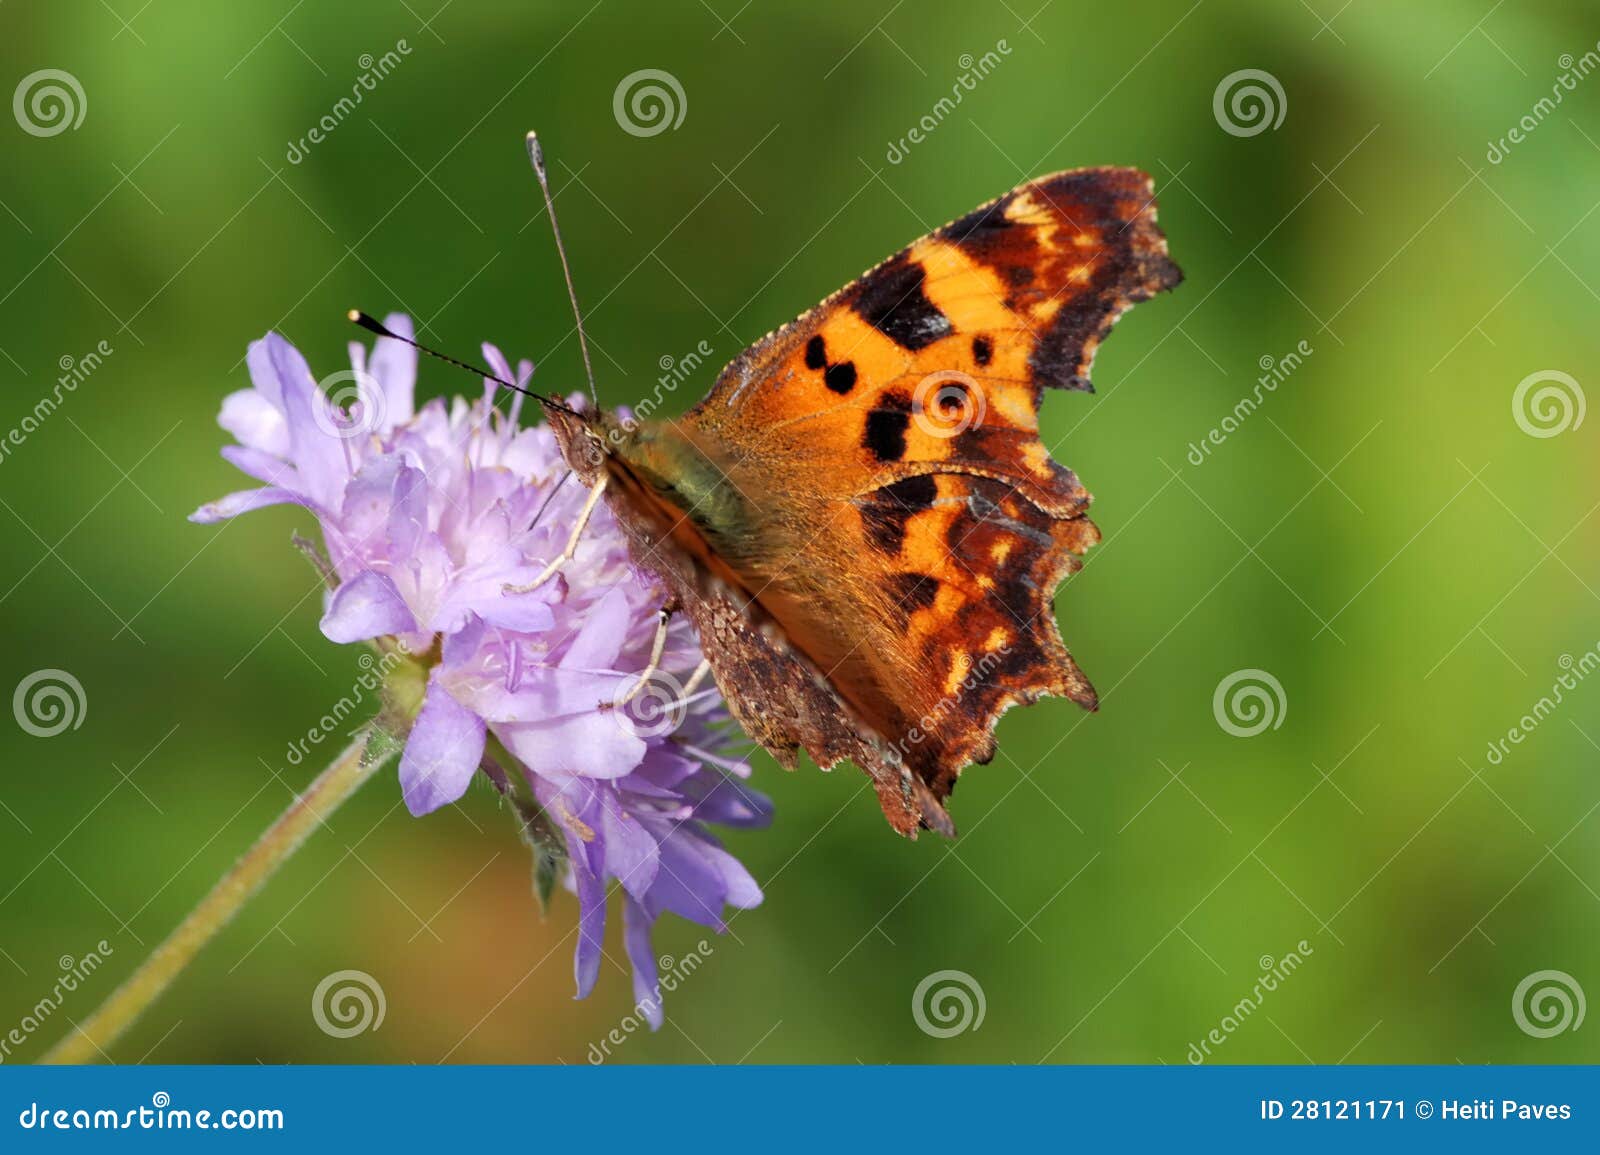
point(432, 518)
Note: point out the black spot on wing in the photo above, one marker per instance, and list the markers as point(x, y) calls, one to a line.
point(885, 432)
point(840, 378)
point(884, 514)
point(982, 350)
point(892, 301)
point(816, 353)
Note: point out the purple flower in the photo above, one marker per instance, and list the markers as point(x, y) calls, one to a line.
point(432, 518)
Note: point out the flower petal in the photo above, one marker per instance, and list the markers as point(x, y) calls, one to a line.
point(254, 421)
point(636, 924)
point(263, 375)
point(591, 924)
point(632, 856)
point(527, 613)
point(443, 752)
point(260, 465)
point(605, 629)
point(246, 500)
point(588, 745)
point(393, 365)
point(318, 454)
point(408, 510)
point(366, 606)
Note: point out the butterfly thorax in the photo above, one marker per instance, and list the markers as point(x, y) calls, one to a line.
point(681, 490)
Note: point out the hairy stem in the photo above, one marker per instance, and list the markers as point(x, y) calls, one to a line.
point(88, 1042)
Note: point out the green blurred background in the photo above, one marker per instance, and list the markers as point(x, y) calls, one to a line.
point(1381, 536)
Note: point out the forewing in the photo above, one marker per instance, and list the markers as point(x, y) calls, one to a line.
point(916, 526)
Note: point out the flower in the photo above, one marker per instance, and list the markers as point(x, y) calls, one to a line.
point(436, 520)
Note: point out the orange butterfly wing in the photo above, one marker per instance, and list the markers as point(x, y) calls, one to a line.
point(891, 520)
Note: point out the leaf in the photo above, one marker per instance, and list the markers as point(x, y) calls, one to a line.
point(548, 846)
point(381, 745)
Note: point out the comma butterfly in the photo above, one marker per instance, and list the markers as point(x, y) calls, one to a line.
point(860, 518)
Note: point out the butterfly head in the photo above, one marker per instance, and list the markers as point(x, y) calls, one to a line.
point(586, 439)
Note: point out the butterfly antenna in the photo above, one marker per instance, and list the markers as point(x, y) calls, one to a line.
point(536, 157)
point(373, 325)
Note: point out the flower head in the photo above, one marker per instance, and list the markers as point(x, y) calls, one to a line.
point(436, 522)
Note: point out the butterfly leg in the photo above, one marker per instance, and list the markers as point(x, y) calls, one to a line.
point(571, 547)
point(657, 648)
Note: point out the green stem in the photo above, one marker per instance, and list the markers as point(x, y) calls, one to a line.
point(371, 749)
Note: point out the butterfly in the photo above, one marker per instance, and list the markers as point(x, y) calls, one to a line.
point(860, 519)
